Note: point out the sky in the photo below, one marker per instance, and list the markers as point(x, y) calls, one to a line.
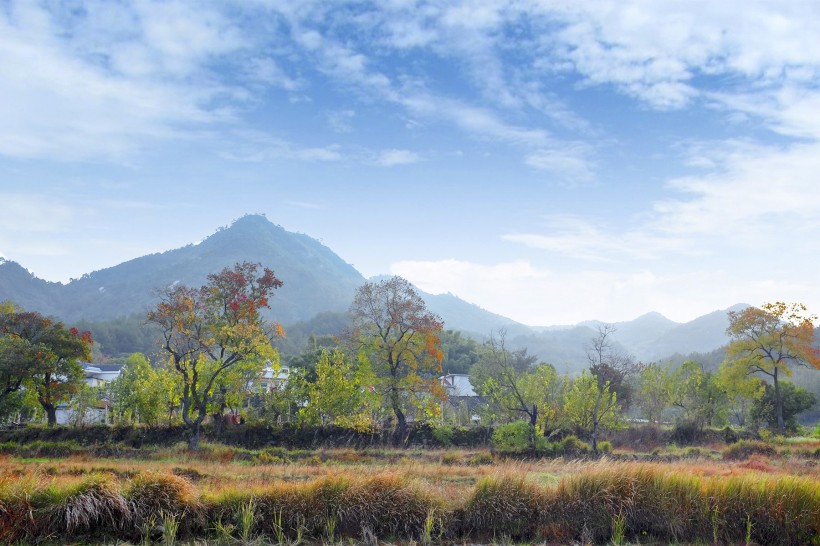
point(550, 161)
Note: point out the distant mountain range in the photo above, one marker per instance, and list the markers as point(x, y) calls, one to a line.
point(317, 281)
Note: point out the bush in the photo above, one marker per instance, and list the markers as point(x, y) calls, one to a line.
point(443, 435)
point(744, 449)
point(512, 437)
point(571, 446)
point(480, 458)
point(95, 507)
point(504, 505)
point(155, 496)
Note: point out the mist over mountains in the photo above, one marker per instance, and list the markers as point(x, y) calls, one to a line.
point(317, 282)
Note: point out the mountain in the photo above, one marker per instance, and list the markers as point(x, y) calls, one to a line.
point(316, 280)
point(701, 335)
point(648, 338)
point(469, 318)
point(318, 288)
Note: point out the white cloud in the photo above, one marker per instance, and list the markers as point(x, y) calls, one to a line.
point(32, 212)
point(341, 121)
point(541, 297)
point(390, 158)
point(569, 162)
point(70, 93)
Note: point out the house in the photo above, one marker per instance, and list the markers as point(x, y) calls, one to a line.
point(270, 380)
point(96, 375)
point(462, 401)
point(99, 374)
point(457, 384)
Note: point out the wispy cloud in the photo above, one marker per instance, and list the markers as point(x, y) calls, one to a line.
point(537, 295)
point(390, 158)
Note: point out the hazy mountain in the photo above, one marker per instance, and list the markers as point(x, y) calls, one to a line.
point(650, 337)
point(701, 335)
point(23, 288)
point(469, 318)
point(316, 280)
point(318, 288)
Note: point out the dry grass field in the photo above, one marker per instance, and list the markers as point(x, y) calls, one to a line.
point(711, 495)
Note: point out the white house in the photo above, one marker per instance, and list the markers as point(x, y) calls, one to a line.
point(96, 375)
point(270, 380)
point(457, 384)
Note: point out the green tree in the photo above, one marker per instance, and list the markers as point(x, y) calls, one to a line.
point(742, 391)
point(655, 387)
point(208, 330)
point(769, 341)
point(512, 386)
point(591, 407)
point(610, 369)
point(43, 355)
point(142, 391)
point(341, 394)
point(795, 400)
point(400, 338)
point(460, 352)
point(699, 395)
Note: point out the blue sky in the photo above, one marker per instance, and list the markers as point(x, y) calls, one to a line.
point(552, 161)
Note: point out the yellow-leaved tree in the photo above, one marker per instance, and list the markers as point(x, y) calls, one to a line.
point(770, 340)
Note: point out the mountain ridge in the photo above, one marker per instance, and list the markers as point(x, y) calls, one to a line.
point(316, 281)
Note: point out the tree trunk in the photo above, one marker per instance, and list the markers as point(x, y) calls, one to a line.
point(401, 420)
point(51, 413)
point(533, 421)
point(595, 417)
point(193, 441)
point(778, 403)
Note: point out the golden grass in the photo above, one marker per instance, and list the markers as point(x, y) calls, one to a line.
point(407, 495)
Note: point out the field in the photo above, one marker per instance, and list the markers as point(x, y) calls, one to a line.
point(747, 494)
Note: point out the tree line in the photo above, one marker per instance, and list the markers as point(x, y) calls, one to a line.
point(218, 358)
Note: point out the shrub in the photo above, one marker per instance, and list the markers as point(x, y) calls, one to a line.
point(746, 448)
point(443, 435)
point(504, 505)
point(154, 496)
point(95, 506)
point(512, 437)
point(388, 506)
point(480, 458)
point(571, 446)
point(17, 521)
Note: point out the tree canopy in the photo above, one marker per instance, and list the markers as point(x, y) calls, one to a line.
point(207, 330)
point(401, 338)
point(42, 354)
point(769, 341)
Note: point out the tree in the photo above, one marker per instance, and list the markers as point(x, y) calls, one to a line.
point(341, 394)
point(700, 396)
point(795, 400)
point(43, 355)
point(400, 337)
point(656, 391)
point(460, 353)
point(144, 392)
point(742, 391)
point(590, 406)
point(769, 341)
point(208, 330)
point(610, 369)
point(510, 383)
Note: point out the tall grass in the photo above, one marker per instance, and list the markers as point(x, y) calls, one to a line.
point(598, 503)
